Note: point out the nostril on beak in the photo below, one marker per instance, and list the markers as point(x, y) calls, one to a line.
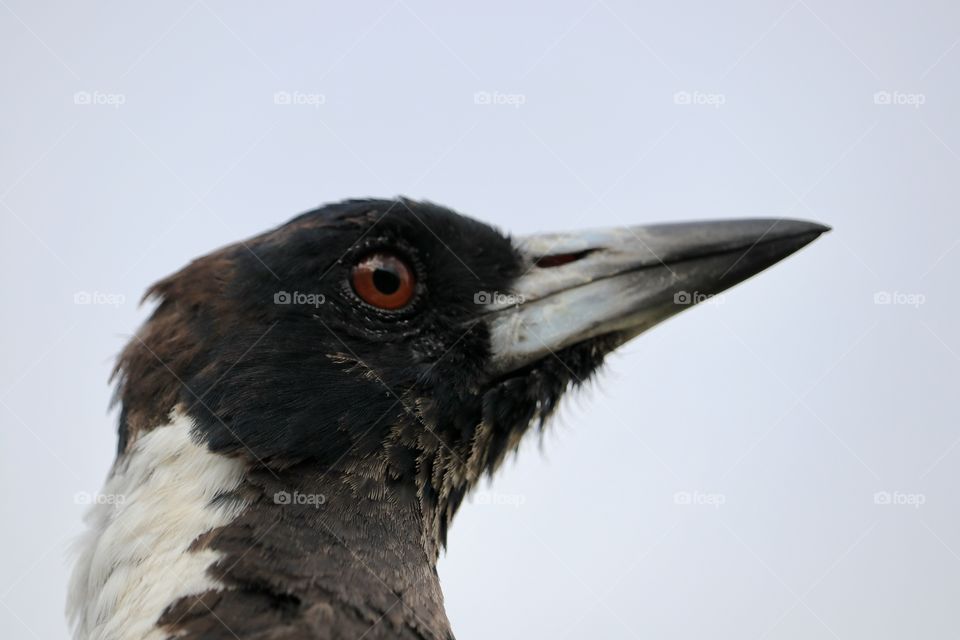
point(560, 259)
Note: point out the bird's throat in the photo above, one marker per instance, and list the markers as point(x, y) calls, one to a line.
point(315, 555)
point(205, 546)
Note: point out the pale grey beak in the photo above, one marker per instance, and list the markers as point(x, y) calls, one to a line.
point(623, 281)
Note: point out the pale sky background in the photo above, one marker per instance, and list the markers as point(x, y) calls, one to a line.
point(136, 137)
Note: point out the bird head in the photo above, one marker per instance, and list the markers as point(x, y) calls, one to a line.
point(407, 344)
point(378, 357)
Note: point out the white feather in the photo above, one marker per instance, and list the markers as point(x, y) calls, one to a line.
point(134, 558)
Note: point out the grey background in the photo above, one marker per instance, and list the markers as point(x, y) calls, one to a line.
point(780, 410)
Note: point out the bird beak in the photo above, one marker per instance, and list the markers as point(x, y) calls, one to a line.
point(623, 281)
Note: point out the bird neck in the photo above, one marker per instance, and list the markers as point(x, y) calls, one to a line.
point(201, 545)
point(322, 553)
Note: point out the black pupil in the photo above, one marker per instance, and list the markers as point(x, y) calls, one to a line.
point(386, 281)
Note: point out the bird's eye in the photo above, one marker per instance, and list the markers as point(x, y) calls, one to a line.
point(384, 280)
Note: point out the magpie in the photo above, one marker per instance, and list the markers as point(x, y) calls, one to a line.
point(304, 412)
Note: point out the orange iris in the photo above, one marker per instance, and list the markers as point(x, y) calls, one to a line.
point(384, 281)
